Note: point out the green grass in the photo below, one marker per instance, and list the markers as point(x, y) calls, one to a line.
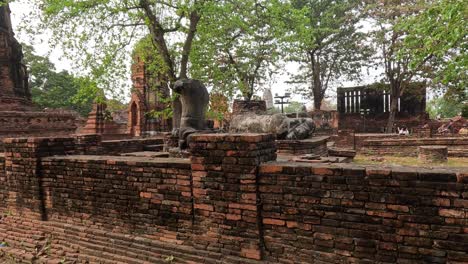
point(410, 161)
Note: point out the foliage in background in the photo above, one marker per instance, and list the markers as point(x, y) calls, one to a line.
point(52, 89)
point(236, 49)
point(388, 38)
point(294, 107)
point(219, 107)
point(440, 32)
point(98, 35)
point(323, 37)
point(443, 107)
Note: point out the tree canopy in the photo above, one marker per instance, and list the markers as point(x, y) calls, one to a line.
point(236, 47)
point(52, 89)
point(324, 37)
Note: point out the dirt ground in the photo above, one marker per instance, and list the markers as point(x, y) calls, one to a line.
point(410, 161)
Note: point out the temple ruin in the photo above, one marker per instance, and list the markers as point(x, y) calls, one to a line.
point(18, 115)
point(113, 194)
point(148, 100)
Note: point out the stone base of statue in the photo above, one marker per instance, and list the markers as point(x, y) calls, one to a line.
point(178, 153)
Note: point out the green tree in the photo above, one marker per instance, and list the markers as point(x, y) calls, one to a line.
point(438, 32)
point(323, 37)
point(388, 37)
point(97, 35)
point(52, 89)
point(294, 107)
point(444, 107)
point(237, 48)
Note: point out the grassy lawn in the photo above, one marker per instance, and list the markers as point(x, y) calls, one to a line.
point(408, 161)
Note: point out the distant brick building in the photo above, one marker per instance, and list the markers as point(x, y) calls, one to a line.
point(147, 102)
point(366, 108)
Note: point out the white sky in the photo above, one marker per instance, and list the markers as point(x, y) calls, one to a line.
point(278, 85)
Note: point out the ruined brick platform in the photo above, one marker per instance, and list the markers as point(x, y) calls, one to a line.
point(24, 124)
point(315, 145)
point(230, 203)
point(405, 146)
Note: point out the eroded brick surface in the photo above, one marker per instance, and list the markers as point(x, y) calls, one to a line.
point(351, 214)
point(227, 204)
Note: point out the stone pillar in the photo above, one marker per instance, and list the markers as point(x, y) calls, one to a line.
point(23, 171)
point(429, 154)
point(225, 191)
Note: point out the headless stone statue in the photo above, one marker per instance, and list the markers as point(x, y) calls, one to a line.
point(194, 99)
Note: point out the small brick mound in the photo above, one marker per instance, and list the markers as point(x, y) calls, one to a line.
point(316, 145)
point(428, 154)
point(252, 106)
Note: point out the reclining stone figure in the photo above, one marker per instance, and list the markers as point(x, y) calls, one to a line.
point(281, 125)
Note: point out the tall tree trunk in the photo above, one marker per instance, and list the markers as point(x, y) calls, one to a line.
point(157, 34)
point(317, 102)
point(394, 97)
point(316, 82)
point(194, 19)
point(317, 90)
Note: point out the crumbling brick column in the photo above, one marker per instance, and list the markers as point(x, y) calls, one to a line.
point(3, 189)
point(89, 144)
point(23, 172)
point(225, 191)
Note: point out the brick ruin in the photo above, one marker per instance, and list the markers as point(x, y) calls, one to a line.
point(144, 114)
point(148, 95)
point(103, 123)
point(14, 90)
point(19, 117)
point(365, 109)
point(103, 196)
point(231, 202)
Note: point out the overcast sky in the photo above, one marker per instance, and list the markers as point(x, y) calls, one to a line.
point(42, 48)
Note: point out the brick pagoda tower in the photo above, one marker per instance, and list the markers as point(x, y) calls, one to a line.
point(19, 117)
point(147, 94)
point(14, 90)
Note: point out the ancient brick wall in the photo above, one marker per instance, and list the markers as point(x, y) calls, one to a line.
point(351, 214)
point(224, 172)
point(43, 124)
point(316, 146)
point(344, 138)
point(3, 186)
point(121, 193)
point(229, 204)
point(22, 171)
point(403, 146)
point(114, 147)
point(252, 106)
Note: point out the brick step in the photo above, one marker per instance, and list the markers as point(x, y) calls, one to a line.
point(159, 147)
point(14, 255)
point(83, 245)
point(459, 153)
point(152, 249)
point(123, 244)
point(109, 252)
point(21, 238)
